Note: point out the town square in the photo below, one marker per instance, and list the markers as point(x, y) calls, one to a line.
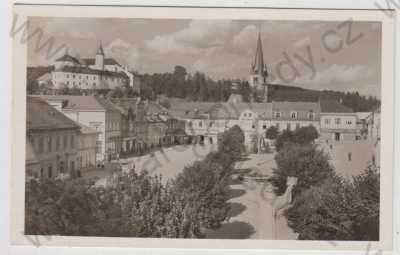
point(205, 132)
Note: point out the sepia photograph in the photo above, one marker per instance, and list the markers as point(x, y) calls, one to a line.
point(203, 128)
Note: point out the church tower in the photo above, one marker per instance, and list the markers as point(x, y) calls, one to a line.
point(99, 61)
point(258, 72)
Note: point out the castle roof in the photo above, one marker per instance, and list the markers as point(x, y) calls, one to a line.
point(91, 61)
point(87, 70)
point(68, 58)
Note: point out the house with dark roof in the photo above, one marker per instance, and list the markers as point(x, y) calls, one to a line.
point(97, 113)
point(337, 122)
point(293, 115)
point(51, 141)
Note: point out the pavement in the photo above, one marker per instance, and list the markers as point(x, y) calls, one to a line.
point(251, 210)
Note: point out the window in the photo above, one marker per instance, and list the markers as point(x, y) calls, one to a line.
point(293, 115)
point(264, 126)
point(65, 141)
point(41, 172)
point(337, 121)
point(253, 126)
point(249, 114)
point(200, 124)
point(277, 114)
point(349, 122)
point(310, 115)
point(67, 75)
point(245, 114)
point(57, 143)
point(49, 143)
point(50, 171)
point(41, 145)
point(277, 126)
point(288, 126)
point(327, 121)
point(73, 76)
point(72, 145)
point(255, 79)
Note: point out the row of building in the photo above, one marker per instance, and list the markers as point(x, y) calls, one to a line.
point(73, 133)
point(70, 134)
point(333, 121)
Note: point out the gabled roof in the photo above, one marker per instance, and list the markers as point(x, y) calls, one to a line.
point(41, 116)
point(298, 106)
point(81, 103)
point(68, 58)
point(333, 106)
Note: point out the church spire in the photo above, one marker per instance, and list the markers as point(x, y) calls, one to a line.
point(258, 64)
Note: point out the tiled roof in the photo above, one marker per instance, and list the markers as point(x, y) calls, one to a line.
point(301, 108)
point(68, 58)
point(79, 103)
point(91, 61)
point(87, 70)
point(41, 116)
point(334, 106)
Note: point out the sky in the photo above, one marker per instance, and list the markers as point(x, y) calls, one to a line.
point(342, 56)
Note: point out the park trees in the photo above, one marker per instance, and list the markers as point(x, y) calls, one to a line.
point(272, 133)
point(231, 142)
point(303, 135)
point(306, 162)
point(338, 209)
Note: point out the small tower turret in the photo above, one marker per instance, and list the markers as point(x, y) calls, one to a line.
point(99, 61)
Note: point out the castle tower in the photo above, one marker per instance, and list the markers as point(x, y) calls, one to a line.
point(258, 72)
point(99, 61)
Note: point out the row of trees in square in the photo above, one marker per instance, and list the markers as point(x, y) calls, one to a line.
point(138, 204)
point(326, 206)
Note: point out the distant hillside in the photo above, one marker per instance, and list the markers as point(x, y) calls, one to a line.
point(353, 100)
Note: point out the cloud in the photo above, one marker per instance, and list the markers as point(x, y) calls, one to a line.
point(196, 37)
point(125, 52)
point(246, 37)
point(71, 28)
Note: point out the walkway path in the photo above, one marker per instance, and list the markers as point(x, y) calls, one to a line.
point(251, 211)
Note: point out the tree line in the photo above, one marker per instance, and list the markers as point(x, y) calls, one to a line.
point(138, 204)
point(199, 87)
point(326, 206)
